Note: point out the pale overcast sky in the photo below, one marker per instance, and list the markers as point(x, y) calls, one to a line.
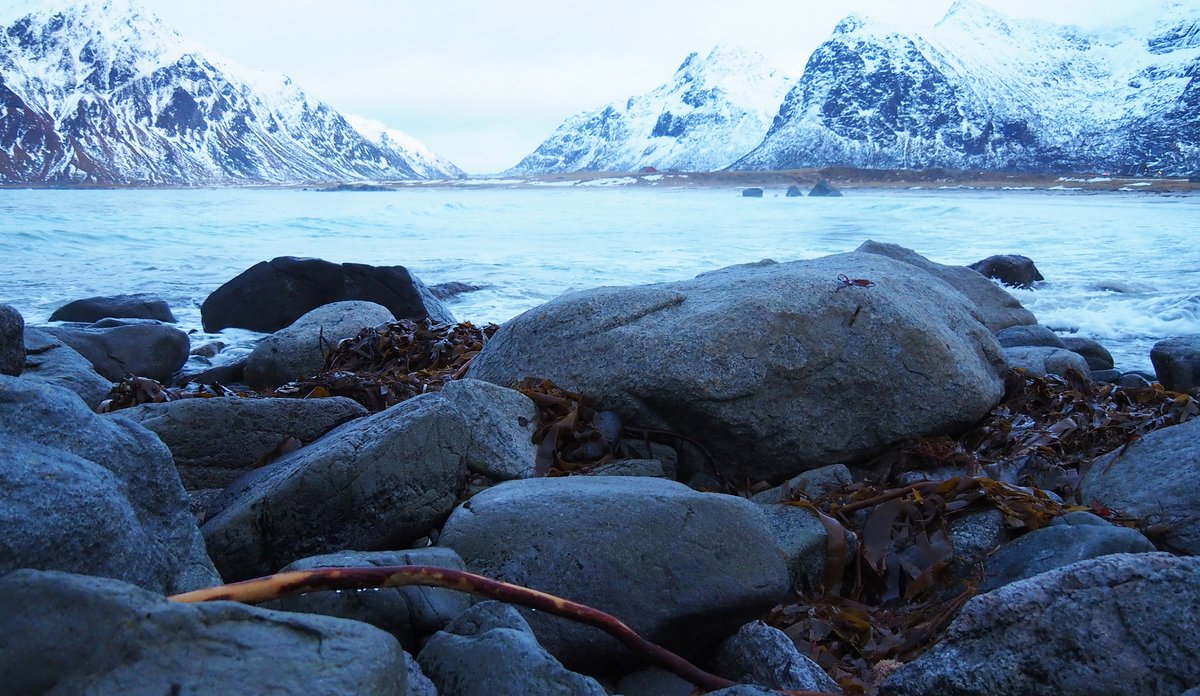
point(483, 82)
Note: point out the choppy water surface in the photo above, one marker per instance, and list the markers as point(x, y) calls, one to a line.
point(1123, 268)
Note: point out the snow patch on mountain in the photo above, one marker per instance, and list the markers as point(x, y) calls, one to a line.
point(103, 92)
point(714, 109)
point(981, 90)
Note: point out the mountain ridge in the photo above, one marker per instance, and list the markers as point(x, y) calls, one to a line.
point(102, 93)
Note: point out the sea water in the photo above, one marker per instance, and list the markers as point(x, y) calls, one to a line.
point(1123, 268)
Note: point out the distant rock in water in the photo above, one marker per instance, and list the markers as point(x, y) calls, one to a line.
point(823, 188)
point(371, 188)
point(794, 191)
point(136, 306)
point(752, 193)
point(1013, 270)
point(272, 294)
point(444, 291)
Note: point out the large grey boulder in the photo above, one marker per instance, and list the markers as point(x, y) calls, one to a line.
point(120, 347)
point(12, 341)
point(299, 350)
point(50, 361)
point(760, 655)
point(272, 294)
point(141, 489)
point(214, 441)
point(136, 306)
point(1097, 356)
point(377, 483)
point(1118, 624)
point(1177, 363)
point(998, 308)
point(1157, 478)
point(682, 568)
point(410, 613)
point(490, 651)
point(1056, 546)
point(71, 634)
point(1044, 360)
point(774, 368)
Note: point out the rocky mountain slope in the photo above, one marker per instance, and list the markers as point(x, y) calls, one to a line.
point(979, 90)
point(102, 92)
point(713, 111)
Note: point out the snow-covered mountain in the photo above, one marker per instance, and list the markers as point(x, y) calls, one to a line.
point(103, 92)
point(714, 110)
point(980, 90)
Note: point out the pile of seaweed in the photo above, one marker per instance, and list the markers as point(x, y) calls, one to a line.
point(903, 584)
point(379, 367)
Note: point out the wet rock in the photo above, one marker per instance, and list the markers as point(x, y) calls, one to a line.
point(273, 294)
point(377, 483)
point(752, 193)
point(299, 350)
point(824, 188)
point(1097, 356)
point(1177, 363)
point(136, 306)
point(1108, 376)
point(1113, 625)
point(802, 539)
point(1042, 360)
point(228, 374)
point(745, 359)
point(1056, 546)
point(444, 291)
point(50, 361)
point(208, 350)
point(490, 651)
point(1013, 270)
point(1132, 380)
point(72, 634)
point(12, 341)
point(574, 537)
point(46, 429)
point(1033, 335)
point(1157, 477)
point(120, 347)
point(408, 613)
point(998, 308)
point(763, 656)
point(214, 441)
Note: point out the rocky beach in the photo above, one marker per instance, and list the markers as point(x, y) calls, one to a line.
point(864, 473)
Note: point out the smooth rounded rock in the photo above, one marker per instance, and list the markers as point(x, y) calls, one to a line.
point(298, 351)
point(121, 347)
point(72, 634)
point(214, 441)
point(1118, 624)
point(50, 361)
point(1011, 269)
point(774, 368)
point(377, 483)
point(1044, 360)
point(1055, 546)
point(135, 306)
point(1097, 356)
point(1177, 363)
point(760, 655)
point(682, 568)
point(1156, 478)
point(1032, 335)
point(174, 558)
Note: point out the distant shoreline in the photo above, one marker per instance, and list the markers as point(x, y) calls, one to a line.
point(804, 179)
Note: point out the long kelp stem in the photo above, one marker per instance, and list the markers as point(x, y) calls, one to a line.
point(299, 581)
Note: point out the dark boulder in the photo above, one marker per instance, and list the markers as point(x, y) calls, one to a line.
point(137, 306)
point(50, 361)
point(794, 191)
point(824, 188)
point(1011, 269)
point(1058, 545)
point(1097, 356)
point(1177, 363)
point(764, 656)
point(444, 291)
point(752, 193)
point(272, 294)
point(12, 341)
point(120, 347)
